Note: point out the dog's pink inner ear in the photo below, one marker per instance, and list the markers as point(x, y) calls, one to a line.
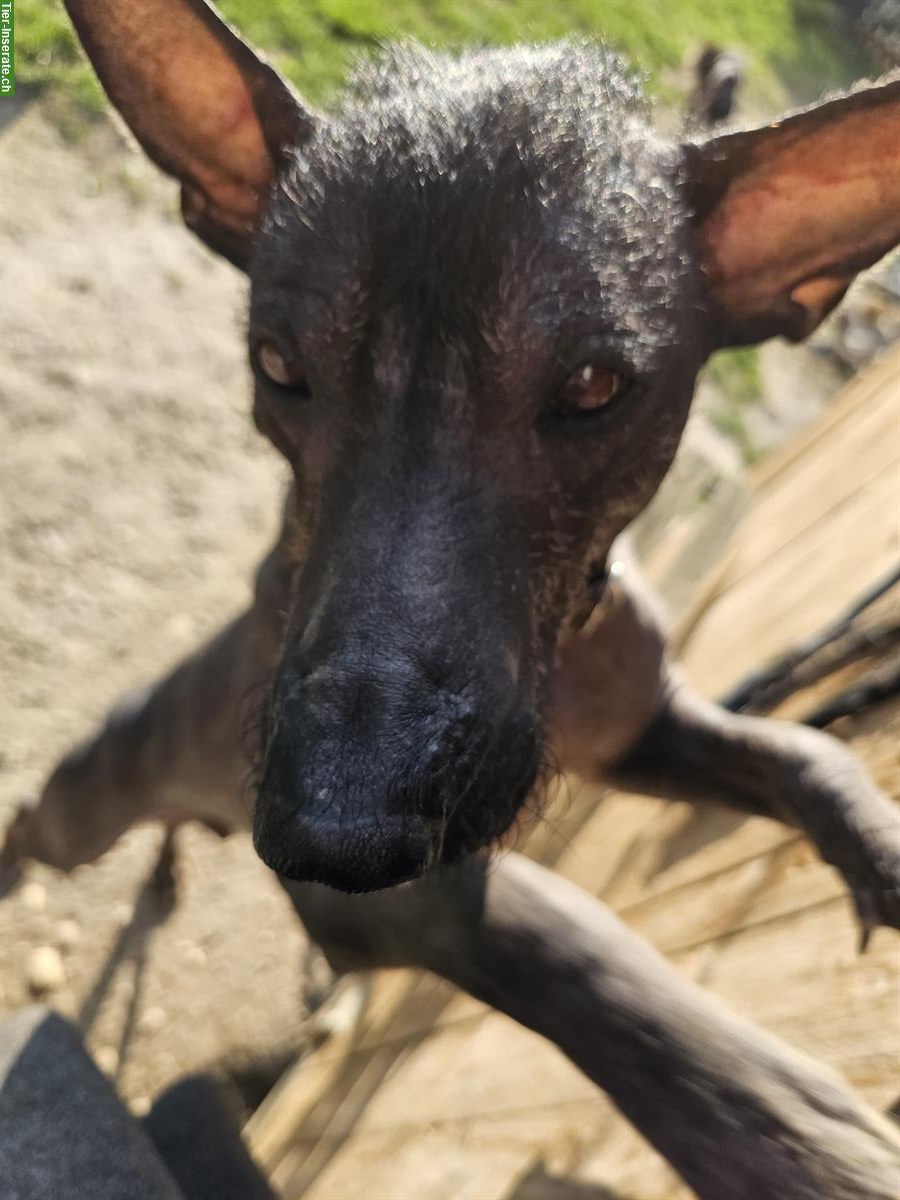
point(200, 101)
point(786, 215)
point(214, 131)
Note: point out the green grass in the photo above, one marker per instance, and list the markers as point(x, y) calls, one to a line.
point(795, 44)
point(737, 376)
point(737, 372)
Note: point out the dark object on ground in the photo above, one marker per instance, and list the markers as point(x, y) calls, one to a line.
point(719, 74)
point(877, 24)
point(197, 1134)
point(65, 1134)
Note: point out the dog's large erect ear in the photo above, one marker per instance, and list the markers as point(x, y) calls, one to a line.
point(786, 215)
point(202, 104)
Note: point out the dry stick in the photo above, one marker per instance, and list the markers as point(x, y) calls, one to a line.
point(875, 687)
point(738, 1114)
point(752, 693)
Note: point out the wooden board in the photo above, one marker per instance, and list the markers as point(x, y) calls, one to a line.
point(431, 1096)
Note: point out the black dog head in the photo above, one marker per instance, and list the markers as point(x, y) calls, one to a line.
point(481, 292)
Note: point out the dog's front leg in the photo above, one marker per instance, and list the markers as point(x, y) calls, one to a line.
point(737, 1113)
point(174, 751)
point(620, 714)
point(695, 750)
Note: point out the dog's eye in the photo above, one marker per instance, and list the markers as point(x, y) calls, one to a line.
point(588, 389)
point(276, 368)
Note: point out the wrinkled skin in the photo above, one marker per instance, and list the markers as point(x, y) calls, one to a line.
point(434, 282)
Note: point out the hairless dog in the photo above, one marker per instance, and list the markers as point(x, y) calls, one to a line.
point(481, 291)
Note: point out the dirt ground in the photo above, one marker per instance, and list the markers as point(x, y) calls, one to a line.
point(136, 498)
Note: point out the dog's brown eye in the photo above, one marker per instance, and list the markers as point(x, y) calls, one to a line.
point(275, 367)
point(588, 389)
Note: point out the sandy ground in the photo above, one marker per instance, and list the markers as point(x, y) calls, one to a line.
point(136, 498)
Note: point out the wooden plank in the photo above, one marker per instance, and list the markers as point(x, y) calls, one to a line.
point(878, 378)
point(787, 597)
point(401, 1007)
point(465, 1159)
point(814, 490)
point(805, 981)
point(786, 883)
point(604, 851)
point(680, 844)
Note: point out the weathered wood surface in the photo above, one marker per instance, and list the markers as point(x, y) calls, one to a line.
point(433, 1097)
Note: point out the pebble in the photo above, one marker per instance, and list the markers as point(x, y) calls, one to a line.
point(344, 1012)
point(68, 934)
point(34, 897)
point(45, 970)
point(107, 1059)
point(181, 627)
point(194, 956)
point(122, 914)
point(152, 1019)
point(140, 1106)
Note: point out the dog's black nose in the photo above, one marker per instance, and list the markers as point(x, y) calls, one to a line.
point(354, 856)
point(373, 773)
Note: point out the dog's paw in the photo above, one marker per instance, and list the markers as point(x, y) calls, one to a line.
point(876, 905)
point(876, 895)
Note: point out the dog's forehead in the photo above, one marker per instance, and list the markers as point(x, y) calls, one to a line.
point(528, 196)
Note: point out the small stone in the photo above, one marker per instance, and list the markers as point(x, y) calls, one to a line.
point(34, 897)
point(888, 325)
point(45, 970)
point(67, 934)
point(122, 914)
point(140, 1106)
point(194, 956)
point(152, 1020)
point(344, 1012)
point(859, 340)
point(107, 1059)
point(180, 627)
